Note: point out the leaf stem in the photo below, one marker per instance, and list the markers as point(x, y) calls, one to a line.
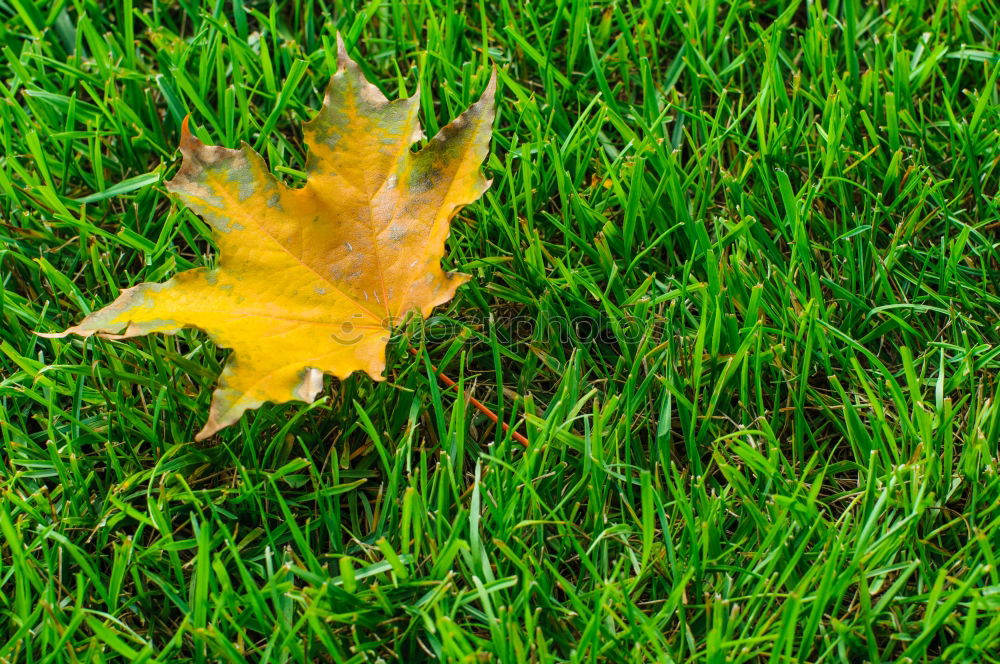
point(480, 406)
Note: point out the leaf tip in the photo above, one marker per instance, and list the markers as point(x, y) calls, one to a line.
point(207, 431)
point(54, 335)
point(311, 385)
point(221, 413)
point(189, 142)
point(343, 59)
point(78, 330)
point(488, 98)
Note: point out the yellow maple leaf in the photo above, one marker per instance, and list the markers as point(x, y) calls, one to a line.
point(310, 280)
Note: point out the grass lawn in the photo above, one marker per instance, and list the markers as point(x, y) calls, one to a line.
point(736, 281)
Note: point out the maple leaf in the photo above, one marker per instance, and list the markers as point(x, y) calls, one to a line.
point(310, 280)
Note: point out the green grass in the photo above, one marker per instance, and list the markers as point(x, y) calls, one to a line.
point(736, 280)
